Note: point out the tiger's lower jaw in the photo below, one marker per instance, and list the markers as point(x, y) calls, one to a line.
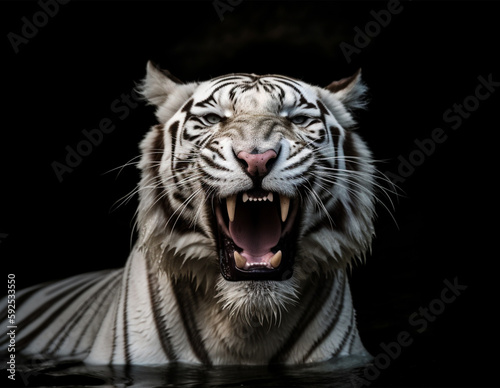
point(257, 232)
point(235, 267)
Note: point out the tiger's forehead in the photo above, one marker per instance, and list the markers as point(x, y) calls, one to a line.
point(254, 93)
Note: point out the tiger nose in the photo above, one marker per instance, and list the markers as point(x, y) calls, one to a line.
point(257, 164)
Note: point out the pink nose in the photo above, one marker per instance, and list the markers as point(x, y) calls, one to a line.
point(257, 163)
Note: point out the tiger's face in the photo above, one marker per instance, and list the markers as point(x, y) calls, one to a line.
point(254, 179)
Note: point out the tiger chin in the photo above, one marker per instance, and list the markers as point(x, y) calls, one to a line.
point(256, 194)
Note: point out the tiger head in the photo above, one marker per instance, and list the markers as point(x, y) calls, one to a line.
point(252, 185)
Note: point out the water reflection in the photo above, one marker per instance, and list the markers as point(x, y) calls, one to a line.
point(340, 373)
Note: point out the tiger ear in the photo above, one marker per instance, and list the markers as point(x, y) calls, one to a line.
point(158, 84)
point(350, 90)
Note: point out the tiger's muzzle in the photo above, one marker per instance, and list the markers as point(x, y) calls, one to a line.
point(257, 227)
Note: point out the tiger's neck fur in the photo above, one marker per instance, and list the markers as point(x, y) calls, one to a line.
point(320, 324)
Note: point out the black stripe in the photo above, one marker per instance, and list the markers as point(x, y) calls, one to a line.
point(187, 106)
point(50, 302)
point(234, 89)
point(115, 325)
point(321, 136)
point(158, 147)
point(336, 136)
point(281, 96)
point(208, 180)
point(161, 326)
point(186, 302)
point(20, 300)
point(289, 84)
point(207, 101)
point(349, 332)
point(60, 337)
point(353, 337)
point(126, 344)
point(315, 300)
point(324, 196)
point(205, 139)
point(325, 182)
point(222, 86)
point(215, 151)
point(180, 167)
point(335, 140)
point(179, 196)
point(47, 321)
point(316, 120)
point(332, 323)
point(191, 138)
point(161, 198)
point(298, 163)
point(340, 215)
point(326, 165)
point(156, 156)
point(197, 119)
point(61, 284)
point(308, 105)
point(268, 88)
point(282, 77)
point(323, 108)
point(173, 129)
point(335, 131)
point(90, 321)
point(214, 165)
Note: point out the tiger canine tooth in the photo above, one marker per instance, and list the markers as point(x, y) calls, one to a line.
point(239, 260)
point(270, 197)
point(285, 205)
point(231, 206)
point(276, 259)
point(245, 197)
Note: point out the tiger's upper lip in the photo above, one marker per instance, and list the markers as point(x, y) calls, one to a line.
point(254, 229)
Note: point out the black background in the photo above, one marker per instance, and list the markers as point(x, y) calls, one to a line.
point(429, 57)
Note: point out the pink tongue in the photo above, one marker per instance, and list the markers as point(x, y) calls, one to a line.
point(256, 228)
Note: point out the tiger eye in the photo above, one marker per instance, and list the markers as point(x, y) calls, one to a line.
point(212, 118)
point(299, 119)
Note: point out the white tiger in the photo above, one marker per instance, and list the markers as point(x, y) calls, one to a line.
point(256, 195)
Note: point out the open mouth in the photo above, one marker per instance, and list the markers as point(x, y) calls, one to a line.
point(257, 233)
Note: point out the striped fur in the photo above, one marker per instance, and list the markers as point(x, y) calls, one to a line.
point(170, 302)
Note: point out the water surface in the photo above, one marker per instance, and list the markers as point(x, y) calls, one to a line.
point(344, 372)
